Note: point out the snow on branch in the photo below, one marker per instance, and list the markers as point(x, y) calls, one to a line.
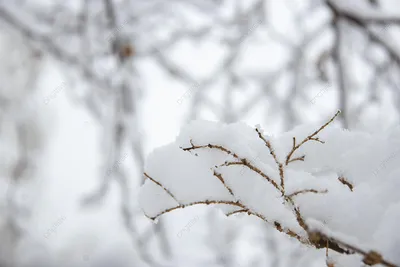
point(291, 182)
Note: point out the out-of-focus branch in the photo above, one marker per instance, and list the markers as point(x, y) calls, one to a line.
point(341, 72)
point(363, 14)
point(47, 45)
point(365, 25)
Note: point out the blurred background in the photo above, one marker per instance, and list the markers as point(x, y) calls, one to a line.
point(88, 88)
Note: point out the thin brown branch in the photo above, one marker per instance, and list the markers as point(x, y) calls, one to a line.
point(289, 232)
point(249, 212)
point(309, 138)
point(246, 163)
point(242, 161)
point(307, 191)
point(320, 241)
point(273, 154)
point(229, 152)
point(297, 213)
point(219, 176)
point(205, 202)
point(160, 185)
point(238, 211)
point(346, 183)
point(317, 140)
point(268, 144)
point(370, 258)
point(276, 225)
point(298, 159)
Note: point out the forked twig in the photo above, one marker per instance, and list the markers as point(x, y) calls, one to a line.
point(298, 159)
point(273, 154)
point(287, 198)
point(241, 161)
point(308, 138)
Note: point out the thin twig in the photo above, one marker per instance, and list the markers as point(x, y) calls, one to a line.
point(346, 183)
point(308, 191)
point(246, 163)
point(272, 152)
point(309, 138)
point(275, 224)
point(370, 258)
point(298, 159)
point(160, 185)
point(297, 213)
point(205, 202)
point(219, 176)
point(242, 161)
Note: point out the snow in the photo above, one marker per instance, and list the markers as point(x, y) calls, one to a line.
point(365, 215)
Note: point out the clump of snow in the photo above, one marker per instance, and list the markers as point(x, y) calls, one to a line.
point(342, 183)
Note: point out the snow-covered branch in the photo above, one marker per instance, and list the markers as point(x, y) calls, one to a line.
point(202, 169)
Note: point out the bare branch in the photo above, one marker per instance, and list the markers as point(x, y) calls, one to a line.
point(272, 152)
point(346, 183)
point(276, 225)
point(309, 138)
point(219, 176)
point(160, 185)
point(242, 161)
point(307, 191)
point(370, 258)
point(205, 202)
